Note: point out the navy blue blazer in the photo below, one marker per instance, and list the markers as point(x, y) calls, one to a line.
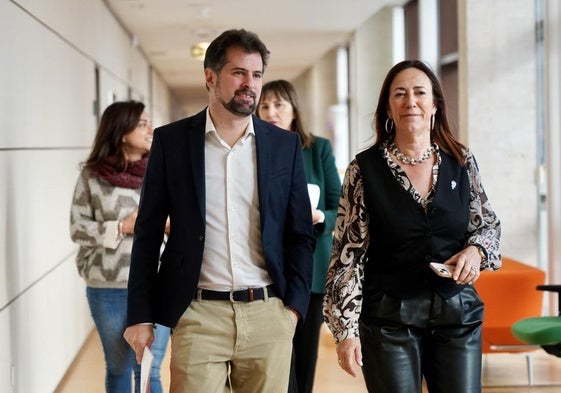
point(161, 288)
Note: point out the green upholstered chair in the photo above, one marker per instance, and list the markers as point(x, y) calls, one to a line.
point(543, 331)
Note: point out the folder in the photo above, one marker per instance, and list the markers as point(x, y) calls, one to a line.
point(313, 192)
point(145, 367)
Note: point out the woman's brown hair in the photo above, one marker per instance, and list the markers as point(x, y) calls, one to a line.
point(284, 89)
point(441, 133)
point(118, 119)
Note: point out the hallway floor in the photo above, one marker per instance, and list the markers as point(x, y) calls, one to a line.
point(502, 373)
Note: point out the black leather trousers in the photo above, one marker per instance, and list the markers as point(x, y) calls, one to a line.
point(404, 340)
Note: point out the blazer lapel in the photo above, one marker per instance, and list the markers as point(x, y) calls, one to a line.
point(264, 154)
point(196, 135)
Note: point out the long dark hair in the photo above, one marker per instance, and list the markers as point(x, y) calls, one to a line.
point(118, 119)
point(441, 132)
point(285, 90)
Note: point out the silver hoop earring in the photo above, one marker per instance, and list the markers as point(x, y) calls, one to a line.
point(389, 128)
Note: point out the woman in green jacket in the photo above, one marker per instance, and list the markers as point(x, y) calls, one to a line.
point(279, 105)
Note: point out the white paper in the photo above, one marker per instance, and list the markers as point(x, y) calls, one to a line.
point(145, 367)
point(313, 192)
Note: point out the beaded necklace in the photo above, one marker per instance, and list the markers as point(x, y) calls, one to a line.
point(410, 160)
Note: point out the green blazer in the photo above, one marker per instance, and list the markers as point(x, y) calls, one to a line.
point(319, 164)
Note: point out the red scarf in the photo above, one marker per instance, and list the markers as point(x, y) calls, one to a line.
point(131, 177)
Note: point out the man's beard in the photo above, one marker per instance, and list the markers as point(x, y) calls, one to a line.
point(240, 108)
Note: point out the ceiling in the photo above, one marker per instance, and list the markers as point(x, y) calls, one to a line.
point(297, 32)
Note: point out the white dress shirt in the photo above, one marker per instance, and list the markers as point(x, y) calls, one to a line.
point(233, 254)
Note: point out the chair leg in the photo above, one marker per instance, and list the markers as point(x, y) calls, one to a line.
point(530, 367)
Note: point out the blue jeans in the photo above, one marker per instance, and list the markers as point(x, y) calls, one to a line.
point(108, 307)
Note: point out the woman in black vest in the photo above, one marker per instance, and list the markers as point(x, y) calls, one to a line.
point(413, 198)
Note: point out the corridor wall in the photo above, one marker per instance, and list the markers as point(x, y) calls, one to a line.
point(50, 53)
point(498, 112)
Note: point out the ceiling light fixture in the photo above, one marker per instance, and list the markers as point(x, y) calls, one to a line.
point(198, 50)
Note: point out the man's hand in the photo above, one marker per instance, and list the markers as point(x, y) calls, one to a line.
point(138, 337)
point(166, 230)
point(294, 316)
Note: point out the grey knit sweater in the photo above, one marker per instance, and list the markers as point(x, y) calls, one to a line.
point(97, 206)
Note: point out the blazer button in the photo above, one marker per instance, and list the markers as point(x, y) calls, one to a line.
point(201, 238)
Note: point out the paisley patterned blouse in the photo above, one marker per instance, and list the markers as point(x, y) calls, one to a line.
point(343, 297)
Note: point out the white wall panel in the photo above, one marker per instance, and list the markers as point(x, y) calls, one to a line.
point(139, 76)
point(87, 25)
point(6, 359)
point(5, 236)
point(41, 330)
point(498, 113)
point(36, 196)
point(72, 19)
point(47, 87)
point(111, 45)
point(111, 89)
point(370, 60)
point(160, 110)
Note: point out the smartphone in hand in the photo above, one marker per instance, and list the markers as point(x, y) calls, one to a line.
point(442, 270)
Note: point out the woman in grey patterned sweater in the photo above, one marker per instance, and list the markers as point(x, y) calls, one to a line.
point(102, 219)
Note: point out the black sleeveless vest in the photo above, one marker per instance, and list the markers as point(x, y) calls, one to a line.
point(404, 237)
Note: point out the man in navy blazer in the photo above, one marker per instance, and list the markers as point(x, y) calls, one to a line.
point(235, 274)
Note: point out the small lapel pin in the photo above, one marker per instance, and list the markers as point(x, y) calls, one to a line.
point(453, 184)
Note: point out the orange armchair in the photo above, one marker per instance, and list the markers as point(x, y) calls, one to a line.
point(509, 295)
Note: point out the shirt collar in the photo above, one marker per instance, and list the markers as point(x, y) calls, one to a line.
point(209, 126)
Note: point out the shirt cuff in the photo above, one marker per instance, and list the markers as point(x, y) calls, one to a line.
point(344, 334)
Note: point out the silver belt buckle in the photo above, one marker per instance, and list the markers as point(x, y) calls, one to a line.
point(250, 294)
point(232, 296)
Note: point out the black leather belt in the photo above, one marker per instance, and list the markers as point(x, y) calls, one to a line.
point(243, 295)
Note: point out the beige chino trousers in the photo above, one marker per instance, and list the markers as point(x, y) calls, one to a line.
point(220, 346)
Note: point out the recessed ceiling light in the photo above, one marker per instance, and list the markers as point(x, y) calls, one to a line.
point(198, 50)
